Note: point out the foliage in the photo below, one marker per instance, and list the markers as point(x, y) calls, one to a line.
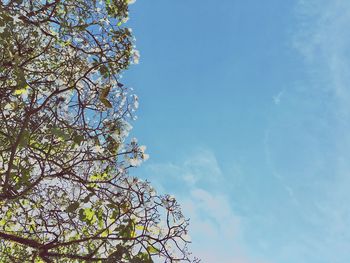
point(65, 191)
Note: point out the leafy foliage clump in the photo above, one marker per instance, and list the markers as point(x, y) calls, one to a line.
point(65, 191)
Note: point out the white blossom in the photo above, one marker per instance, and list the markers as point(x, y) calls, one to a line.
point(135, 56)
point(116, 136)
point(98, 149)
point(134, 161)
point(16, 19)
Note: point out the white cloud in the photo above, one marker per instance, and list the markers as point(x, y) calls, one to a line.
point(215, 229)
point(200, 170)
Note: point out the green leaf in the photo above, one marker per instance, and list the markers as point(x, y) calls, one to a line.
point(87, 198)
point(105, 92)
point(59, 133)
point(21, 91)
point(78, 139)
point(87, 215)
point(81, 215)
point(104, 70)
point(99, 176)
point(128, 230)
point(72, 207)
point(152, 249)
point(141, 257)
point(23, 141)
point(105, 233)
point(106, 102)
point(21, 80)
point(117, 255)
point(103, 97)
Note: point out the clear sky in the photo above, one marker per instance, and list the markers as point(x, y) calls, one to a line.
point(245, 109)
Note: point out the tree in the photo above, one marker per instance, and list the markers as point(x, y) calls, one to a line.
point(65, 190)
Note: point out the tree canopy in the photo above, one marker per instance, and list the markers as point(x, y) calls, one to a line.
point(66, 194)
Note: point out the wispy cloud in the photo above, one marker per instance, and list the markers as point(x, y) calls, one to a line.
point(271, 166)
point(277, 98)
point(323, 40)
point(216, 230)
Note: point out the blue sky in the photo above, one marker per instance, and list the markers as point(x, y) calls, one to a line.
point(245, 107)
